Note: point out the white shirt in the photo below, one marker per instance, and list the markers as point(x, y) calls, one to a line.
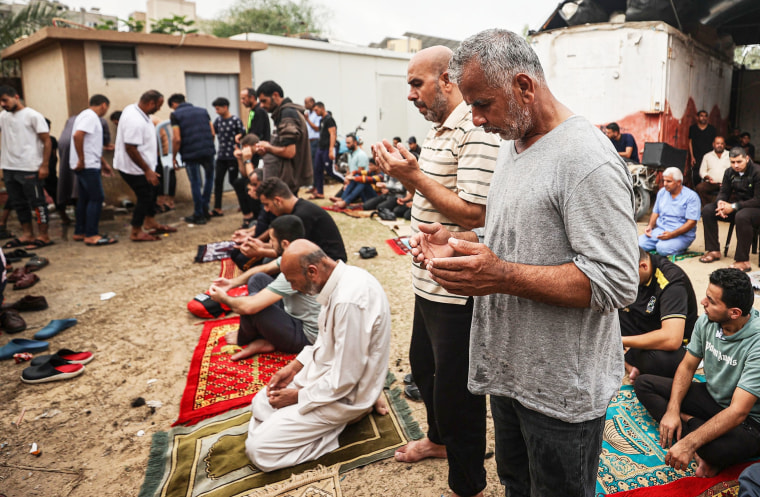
point(714, 166)
point(89, 122)
point(135, 128)
point(344, 371)
point(20, 147)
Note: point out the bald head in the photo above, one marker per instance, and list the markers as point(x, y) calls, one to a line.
point(436, 59)
point(306, 266)
point(430, 88)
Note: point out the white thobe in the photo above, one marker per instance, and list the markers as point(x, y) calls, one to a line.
point(343, 375)
point(714, 166)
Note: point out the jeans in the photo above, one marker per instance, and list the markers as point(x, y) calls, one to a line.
point(223, 166)
point(202, 199)
point(456, 418)
point(537, 455)
point(25, 192)
point(355, 189)
point(749, 481)
point(730, 448)
point(90, 203)
point(146, 197)
point(272, 323)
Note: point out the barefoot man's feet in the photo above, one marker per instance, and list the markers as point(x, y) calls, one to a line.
point(419, 450)
point(380, 406)
point(704, 470)
point(231, 337)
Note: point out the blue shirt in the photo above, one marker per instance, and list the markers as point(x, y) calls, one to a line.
point(357, 160)
point(674, 212)
point(626, 140)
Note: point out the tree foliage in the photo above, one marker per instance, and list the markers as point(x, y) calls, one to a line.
point(274, 17)
point(747, 56)
point(131, 24)
point(25, 22)
point(175, 25)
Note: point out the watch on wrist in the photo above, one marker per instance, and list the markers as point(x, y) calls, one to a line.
point(248, 161)
point(735, 206)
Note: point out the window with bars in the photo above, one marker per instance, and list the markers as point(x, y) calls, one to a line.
point(119, 61)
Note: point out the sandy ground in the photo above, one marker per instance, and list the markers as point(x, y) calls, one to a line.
point(143, 340)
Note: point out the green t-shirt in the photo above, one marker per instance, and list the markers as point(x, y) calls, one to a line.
point(303, 307)
point(730, 361)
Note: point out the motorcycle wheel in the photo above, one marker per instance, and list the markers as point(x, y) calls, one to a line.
point(641, 201)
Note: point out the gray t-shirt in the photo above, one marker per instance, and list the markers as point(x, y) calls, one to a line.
point(567, 198)
point(303, 307)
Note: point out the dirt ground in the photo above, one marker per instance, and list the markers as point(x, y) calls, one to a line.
point(143, 339)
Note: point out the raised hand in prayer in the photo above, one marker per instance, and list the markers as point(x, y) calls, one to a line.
point(476, 270)
point(397, 162)
point(431, 242)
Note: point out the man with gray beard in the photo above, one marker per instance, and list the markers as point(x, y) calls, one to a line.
point(451, 182)
point(545, 339)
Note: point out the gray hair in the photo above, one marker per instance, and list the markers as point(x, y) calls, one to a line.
point(315, 258)
point(501, 54)
point(675, 172)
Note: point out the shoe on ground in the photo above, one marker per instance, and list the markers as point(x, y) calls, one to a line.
point(413, 392)
point(12, 322)
point(53, 370)
point(28, 303)
point(408, 379)
point(195, 220)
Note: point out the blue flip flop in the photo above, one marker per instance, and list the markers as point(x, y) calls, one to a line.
point(54, 327)
point(18, 345)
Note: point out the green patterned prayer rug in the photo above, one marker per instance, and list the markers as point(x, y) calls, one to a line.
point(209, 458)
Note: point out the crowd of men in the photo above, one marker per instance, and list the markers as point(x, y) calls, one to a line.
point(523, 286)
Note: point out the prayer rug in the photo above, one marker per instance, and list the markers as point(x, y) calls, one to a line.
point(400, 245)
point(209, 458)
point(229, 269)
point(216, 384)
point(322, 482)
point(680, 257)
point(214, 251)
point(632, 463)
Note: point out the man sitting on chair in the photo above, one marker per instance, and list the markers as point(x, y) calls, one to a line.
point(663, 315)
point(718, 421)
point(273, 316)
point(673, 225)
point(738, 201)
point(306, 405)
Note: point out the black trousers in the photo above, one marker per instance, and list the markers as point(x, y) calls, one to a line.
point(656, 362)
point(439, 355)
point(223, 166)
point(146, 197)
point(735, 446)
point(745, 221)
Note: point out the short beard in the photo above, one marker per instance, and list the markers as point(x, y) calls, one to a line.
point(519, 122)
point(437, 109)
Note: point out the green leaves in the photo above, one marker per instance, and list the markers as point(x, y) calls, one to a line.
point(25, 22)
point(274, 17)
point(175, 25)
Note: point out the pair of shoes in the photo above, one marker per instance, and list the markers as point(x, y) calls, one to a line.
point(15, 242)
point(28, 303)
point(195, 220)
point(20, 253)
point(54, 327)
point(17, 274)
point(12, 322)
point(53, 369)
point(39, 244)
point(18, 345)
point(28, 280)
point(36, 263)
point(413, 392)
point(408, 379)
point(67, 355)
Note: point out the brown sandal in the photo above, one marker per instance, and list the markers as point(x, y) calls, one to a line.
point(710, 257)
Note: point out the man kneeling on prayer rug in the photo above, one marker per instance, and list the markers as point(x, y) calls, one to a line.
point(716, 422)
point(333, 382)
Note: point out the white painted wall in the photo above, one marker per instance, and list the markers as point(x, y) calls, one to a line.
point(349, 80)
point(608, 71)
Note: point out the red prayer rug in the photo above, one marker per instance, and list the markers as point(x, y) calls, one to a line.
point(400, 245)
point(216, 384)
point(723, 484)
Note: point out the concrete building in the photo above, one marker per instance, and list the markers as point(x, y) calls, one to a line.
point(62, 67)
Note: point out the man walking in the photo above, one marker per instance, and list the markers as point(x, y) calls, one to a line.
point(451, 181)
point(288, 155)
point(86, 160)
point(25, 152)
point(193, 137)
point(552, 271)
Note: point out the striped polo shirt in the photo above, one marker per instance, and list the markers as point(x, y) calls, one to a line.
point(461, 157)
